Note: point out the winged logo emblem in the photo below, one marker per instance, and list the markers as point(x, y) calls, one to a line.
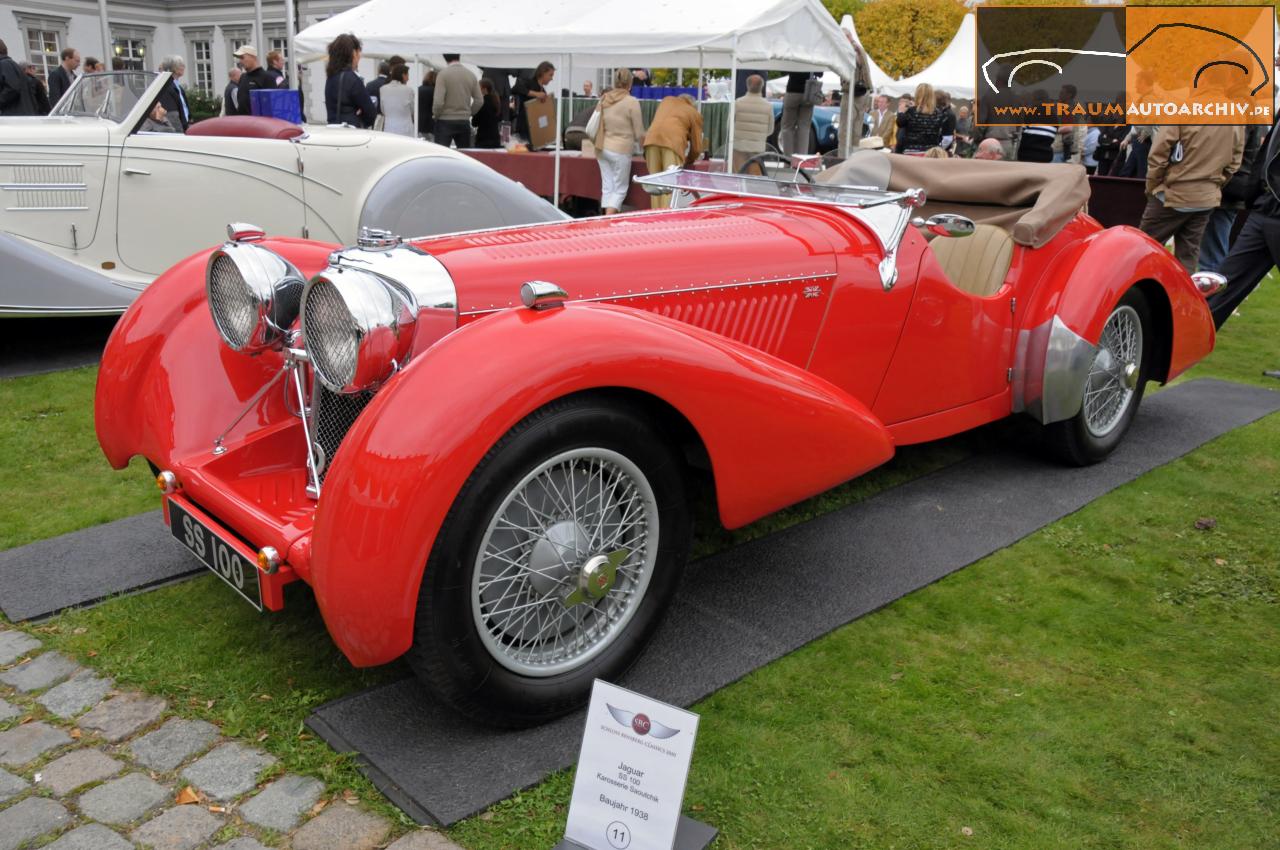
point(642, 724)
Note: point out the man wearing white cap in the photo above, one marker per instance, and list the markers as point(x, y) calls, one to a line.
point(254, 76)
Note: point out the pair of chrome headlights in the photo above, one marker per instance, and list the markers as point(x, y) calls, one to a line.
point(358, 328)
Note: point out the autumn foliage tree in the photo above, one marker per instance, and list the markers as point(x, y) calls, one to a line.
point(905, 36)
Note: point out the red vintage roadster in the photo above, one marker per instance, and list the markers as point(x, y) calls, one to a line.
point(476, 448)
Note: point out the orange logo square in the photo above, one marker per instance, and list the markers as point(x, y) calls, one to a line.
point(1200, 64)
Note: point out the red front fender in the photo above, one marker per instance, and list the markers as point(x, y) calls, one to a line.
point(167, 383)
point(775, 434)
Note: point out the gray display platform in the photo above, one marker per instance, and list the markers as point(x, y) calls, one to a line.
point(752, 604)
point(87, 566)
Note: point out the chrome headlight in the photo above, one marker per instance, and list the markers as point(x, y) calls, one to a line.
point(253, 294)
point(358, 328)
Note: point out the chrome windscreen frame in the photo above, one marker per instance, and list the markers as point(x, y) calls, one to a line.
point(886, 214)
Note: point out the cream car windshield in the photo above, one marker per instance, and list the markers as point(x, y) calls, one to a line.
point(111, 95)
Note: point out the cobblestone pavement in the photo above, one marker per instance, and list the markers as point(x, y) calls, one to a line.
point(84, 766)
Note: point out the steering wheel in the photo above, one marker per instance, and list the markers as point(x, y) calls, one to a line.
point(771, 157)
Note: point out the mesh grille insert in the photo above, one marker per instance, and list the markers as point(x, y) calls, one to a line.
point(229, 301)
point(334, 416)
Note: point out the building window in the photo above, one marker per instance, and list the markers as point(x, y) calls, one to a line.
point(42, 51)
point(46, 35)
point(202, 64)
point(132, 53)
point(235, 38)
point(281, 44)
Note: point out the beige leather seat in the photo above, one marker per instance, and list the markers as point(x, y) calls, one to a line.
point(976, 264)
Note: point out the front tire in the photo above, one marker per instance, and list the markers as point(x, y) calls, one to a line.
point(1113, 390)
point(555, 564)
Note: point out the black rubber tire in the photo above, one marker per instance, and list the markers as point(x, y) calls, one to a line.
point(1070, 440)
point(448, 654)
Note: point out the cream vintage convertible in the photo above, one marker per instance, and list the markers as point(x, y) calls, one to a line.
point(94, 203)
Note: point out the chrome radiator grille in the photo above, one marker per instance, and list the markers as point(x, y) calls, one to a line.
point(332, 416)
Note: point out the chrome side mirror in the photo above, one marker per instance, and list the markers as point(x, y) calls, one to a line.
point(946, 224)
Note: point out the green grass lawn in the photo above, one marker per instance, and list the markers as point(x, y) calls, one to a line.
point(1111, 681)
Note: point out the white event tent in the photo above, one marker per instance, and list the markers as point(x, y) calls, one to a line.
point(783, 35)
point(953, 71)
point(831, 81)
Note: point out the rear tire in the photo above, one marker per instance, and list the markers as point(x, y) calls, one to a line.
point(1108, 404)
point(509, 629)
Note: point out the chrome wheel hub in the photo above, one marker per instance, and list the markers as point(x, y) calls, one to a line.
point(565, 562)
point(547, 564)
point(1113, 377)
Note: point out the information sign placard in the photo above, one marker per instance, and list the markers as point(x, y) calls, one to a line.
point(631, 773)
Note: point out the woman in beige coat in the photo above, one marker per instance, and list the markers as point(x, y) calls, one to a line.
point(619, 130)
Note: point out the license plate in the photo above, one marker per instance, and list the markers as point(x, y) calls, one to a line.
point(217, 554)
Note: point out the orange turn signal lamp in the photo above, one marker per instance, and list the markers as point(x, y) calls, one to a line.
point(167, 482)
point(268, 560)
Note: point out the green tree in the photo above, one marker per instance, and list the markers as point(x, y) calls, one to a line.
point(840, 8)
point(905, 36)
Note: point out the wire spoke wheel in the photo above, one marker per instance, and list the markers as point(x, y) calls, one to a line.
point(565, 561)
point(1113, 376)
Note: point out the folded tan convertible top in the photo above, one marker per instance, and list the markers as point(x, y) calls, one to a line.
point(1032, 201)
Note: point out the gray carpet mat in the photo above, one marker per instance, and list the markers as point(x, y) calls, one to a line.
point(87, 566)
point(752, 604)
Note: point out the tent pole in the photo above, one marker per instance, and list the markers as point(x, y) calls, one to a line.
point(733, 88)
point(291, 31)
point(556, 178)
point(700, 71)
point(847, 113)
point(415, 81)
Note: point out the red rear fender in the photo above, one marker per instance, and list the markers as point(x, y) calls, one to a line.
point(1066, 313)
point(1086, 281)
point(774, 433)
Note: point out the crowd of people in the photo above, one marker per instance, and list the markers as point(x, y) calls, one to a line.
point(23, 92)
point(454, 106)
point(1199, 179)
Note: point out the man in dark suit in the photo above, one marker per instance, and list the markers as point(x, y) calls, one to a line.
point(15, 92)
point(231, 92)
point(64, 75)
point(39, 94)
point(172, 97)
point(372, 87)
point(426, 99)
point(1256, 250)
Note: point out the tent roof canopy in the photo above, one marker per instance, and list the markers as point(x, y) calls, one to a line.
point(782, 35)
